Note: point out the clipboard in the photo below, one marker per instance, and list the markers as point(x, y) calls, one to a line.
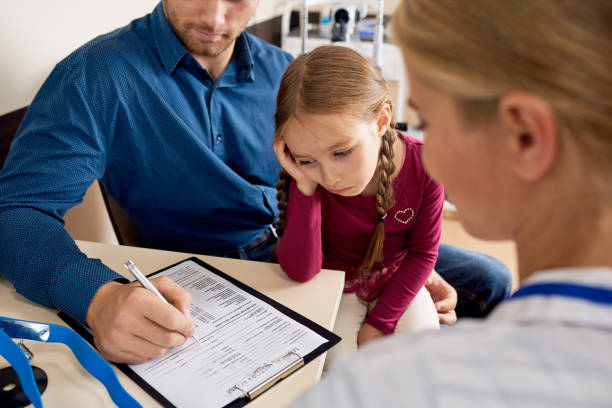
point(264, 376)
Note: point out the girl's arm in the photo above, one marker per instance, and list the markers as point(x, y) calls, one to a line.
point(300, 252)
point(422, 245)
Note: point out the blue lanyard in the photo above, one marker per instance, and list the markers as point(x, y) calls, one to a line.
point(13, 354)
point(51, 333)
point(591, 293)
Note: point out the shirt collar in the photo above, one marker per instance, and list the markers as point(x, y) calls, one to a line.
point(535, 309)
point(170, 48)
point(244, 58)
point(172, 51)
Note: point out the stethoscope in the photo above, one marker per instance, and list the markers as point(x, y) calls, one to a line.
point(590, 293)
point(51, 333)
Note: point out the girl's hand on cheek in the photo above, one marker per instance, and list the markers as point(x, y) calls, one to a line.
point(304, 184)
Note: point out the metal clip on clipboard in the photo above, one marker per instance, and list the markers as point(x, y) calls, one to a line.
point(259, 381)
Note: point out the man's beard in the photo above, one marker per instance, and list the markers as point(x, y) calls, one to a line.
point(212, 49)
point(197, 46)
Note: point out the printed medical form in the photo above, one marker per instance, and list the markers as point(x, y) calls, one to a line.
point(240, 336)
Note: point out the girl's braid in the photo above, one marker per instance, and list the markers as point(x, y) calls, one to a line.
point(384, 200)
point(282, 195)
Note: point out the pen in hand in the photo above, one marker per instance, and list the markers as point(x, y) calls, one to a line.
point(131, 266)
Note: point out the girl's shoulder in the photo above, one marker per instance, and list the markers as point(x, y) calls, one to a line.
point(412, 182)
point(412, 143)
point(412, 163)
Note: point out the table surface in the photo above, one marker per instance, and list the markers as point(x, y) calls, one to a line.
point(71, 386)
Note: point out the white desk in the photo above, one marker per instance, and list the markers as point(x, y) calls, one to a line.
point(71, 386)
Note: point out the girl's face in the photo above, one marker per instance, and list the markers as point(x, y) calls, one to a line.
point(337, 151)
point(469, 161)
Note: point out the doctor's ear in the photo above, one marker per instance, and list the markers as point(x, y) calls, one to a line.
point(531, 131)
point(383, 120)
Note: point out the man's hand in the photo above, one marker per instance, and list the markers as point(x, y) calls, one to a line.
point(367, 334)
point(131, 325)
point(444, 297)
point(304, 184)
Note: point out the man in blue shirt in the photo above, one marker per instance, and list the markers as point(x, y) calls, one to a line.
point(174, 114)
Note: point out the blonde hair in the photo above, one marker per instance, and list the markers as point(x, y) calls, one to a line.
point(337, 80)
point(477, 51)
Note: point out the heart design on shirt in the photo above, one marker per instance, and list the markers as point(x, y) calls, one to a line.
point(404, 216)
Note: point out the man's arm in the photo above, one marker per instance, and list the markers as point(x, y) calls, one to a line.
point(57, 153)
point(44, 264)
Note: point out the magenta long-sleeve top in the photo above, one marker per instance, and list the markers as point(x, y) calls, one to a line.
point(331, 231)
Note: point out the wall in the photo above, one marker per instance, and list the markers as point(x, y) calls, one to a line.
point(271, 8)
point(268, 9)
point(36, 34)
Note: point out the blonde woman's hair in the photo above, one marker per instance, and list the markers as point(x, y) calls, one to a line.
point(337, 80)
point(476, 51)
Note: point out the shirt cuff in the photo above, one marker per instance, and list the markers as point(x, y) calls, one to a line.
point(82, 280)
point(385, 326)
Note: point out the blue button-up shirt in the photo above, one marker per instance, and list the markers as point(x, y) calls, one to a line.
point(188, 157)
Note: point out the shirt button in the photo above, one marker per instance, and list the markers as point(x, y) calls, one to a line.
point(218, 137)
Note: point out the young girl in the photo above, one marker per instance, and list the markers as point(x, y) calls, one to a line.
point(354, 196)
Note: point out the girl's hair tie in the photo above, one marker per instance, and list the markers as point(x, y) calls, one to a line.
point(382, 217)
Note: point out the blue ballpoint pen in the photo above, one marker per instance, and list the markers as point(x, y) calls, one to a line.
point(131, 266)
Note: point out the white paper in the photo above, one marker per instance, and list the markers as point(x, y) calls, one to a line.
point(238, 333)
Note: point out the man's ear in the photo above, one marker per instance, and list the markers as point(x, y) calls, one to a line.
point(384, 119)
point(532, 133)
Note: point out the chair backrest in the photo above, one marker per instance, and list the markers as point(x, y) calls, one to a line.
point(126, 231)
point(9, 123)
point(100, 219)
point(90, 220)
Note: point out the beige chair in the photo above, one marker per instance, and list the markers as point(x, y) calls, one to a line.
point(100, 219)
